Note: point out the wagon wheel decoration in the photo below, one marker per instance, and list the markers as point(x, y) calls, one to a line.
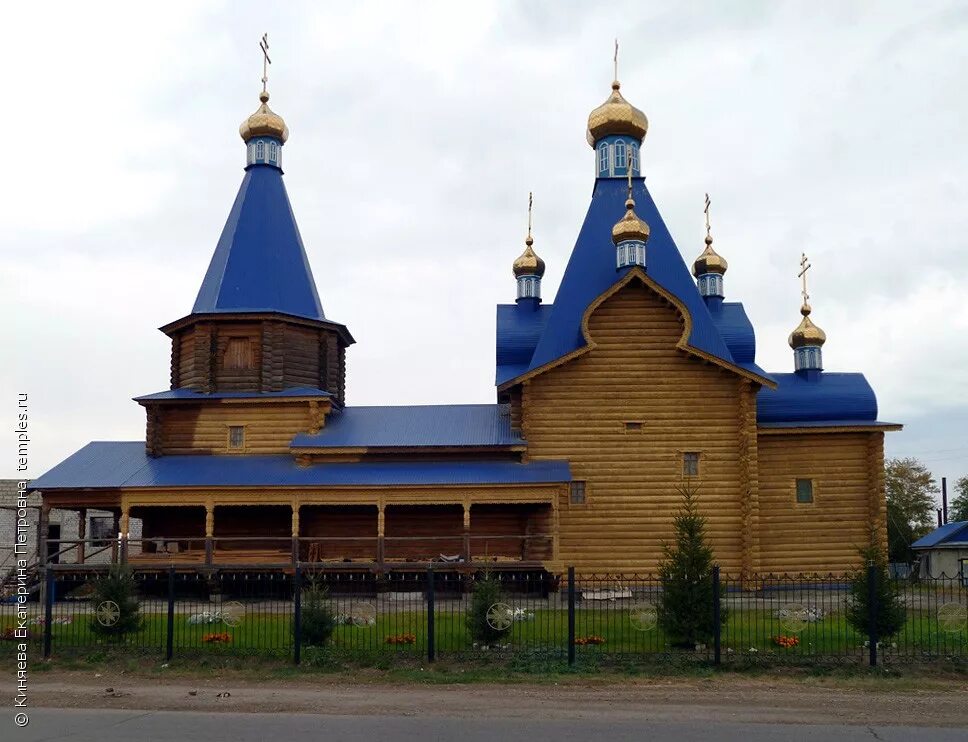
point(363, 614)
point(232, 613)
point(643, 617)
point(107, 613)
point(952, 617)
point(499, 616)
point(794, 618)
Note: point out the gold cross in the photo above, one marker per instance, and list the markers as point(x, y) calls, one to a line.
point(628, 170)
point(530, 202)
point(264, 46)
point(706, 212)
point(615, 60)
point(804, 267)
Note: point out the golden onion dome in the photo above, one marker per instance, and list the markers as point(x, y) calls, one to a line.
point(528, 263)
point(630, 227)
point(807, 333)
point(710, 261)
point(264, 123)
point(616, 116)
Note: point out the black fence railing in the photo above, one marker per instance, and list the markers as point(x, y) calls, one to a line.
point(430, 613)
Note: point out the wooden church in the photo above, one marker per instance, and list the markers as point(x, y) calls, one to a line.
point(638, 378)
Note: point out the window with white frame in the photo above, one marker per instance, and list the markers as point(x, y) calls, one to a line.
point(635, 155)
point(603, 157)
point(621, 154)
point(260, 150)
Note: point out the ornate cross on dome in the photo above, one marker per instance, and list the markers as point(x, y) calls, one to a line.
point(804, 267)
point(615, 60)
point(628, 171)
point(530, 202)
point(706, 212)
point(264, 46)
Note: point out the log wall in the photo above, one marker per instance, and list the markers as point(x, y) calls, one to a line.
point(203, 428)
point(636, 374)
point(824, 535)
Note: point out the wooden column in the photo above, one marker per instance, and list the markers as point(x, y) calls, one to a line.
point(749, 481)
point(209, 531)
point(125, 524)
point(467, 532)
point(116, 530)
point(380, 529)
point(81, 534)
point(43, 532)
point(295, 532)
point(877, 504)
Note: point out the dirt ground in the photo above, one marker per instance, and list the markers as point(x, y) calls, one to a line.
point(740, 699)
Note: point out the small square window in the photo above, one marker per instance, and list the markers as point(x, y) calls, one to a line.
point(236, 436)
point(577, 493)
point(690, 464)
point(633, 425)
point(804, 490)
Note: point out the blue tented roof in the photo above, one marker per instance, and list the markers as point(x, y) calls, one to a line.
point(260, 264)
point(518, 330)
point(829, 399)
point(949, 535)
point(474, 425)
point(191, 394)
point(125, 464)
point(591, 272)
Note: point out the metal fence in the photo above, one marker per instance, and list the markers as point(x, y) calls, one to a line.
point(426, 614)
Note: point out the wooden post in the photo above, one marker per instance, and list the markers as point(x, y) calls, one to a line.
point(81, 534)
point(295, 533)
point(124, 526)
point(43, 533)
point(467, 533)
point(380, 529)
point(116, 530)
point(209, 531)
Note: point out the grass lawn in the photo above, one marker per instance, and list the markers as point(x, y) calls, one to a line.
point(748, 635)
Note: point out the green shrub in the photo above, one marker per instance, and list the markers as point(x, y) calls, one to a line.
point(891, 610)
point(487, 592)
point(118, 586)
point(685, 610)
point(318, 619)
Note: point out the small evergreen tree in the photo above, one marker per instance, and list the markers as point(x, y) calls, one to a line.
point(685, 611)
point(891, 610)
point(487, 592)
point(117, 587)
point(317, 618)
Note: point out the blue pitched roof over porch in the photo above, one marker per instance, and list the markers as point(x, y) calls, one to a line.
point(125, 464)
point(950, 535)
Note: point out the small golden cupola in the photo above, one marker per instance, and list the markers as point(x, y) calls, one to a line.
point(616, 130)
point(630, 234)
point(807, 339)
point(265, 131)
point(528, 268)
point(710, 266)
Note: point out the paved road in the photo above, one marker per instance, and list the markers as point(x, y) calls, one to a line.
point(108, 725)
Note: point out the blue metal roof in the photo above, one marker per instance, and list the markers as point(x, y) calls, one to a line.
point(830, 398)
point(591, 272)
point(415, 426)
point(125, 464)
point(191, 394)
point(735, 329)
point(518, 330)
point(949, 535)
point(260, 264)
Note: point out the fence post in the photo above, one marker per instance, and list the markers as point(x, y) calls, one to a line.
point(431, 629)
point(717, 618)
point(170, 636)
point(872, 613)
point(48, 609)
point(571, 616)
point(297, 615)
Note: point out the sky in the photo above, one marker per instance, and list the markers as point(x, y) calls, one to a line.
point(417, 131)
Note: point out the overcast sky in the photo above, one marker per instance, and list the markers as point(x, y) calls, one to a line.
point(417, 131)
